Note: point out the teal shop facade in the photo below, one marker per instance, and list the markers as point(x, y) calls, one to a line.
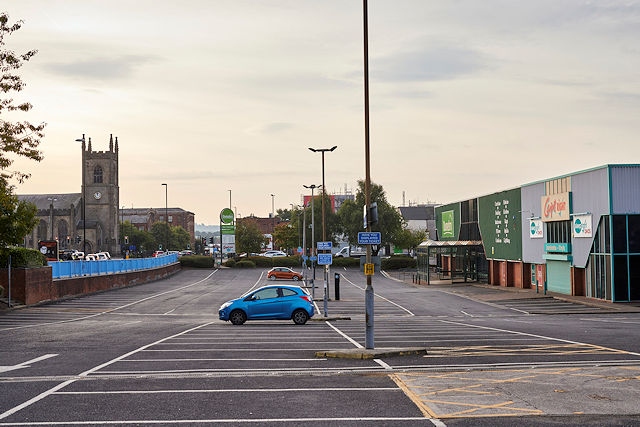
point(575, 234)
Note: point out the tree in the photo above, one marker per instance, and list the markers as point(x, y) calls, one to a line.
point(20, 138)
point(410, 239)
point(286, 236)
point(249, 238)
point(390, 222)
point(141, 240)
point(17, 218)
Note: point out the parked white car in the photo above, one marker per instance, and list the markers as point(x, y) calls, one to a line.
point(271, 254)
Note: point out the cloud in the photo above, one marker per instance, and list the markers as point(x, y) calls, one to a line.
point(430, 64)
point(101, 68)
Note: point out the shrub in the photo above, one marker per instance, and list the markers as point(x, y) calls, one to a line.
point(397, 262)
point(346, 262)
point(22, 258)
point(196, 261)
point(245, 263)
point(230, 263)
point(281, 261)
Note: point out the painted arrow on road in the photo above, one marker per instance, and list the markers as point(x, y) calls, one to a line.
point(26, 364)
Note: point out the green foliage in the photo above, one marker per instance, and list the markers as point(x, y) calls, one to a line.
point(249, 238)
point(397, 262)
point(286, 236)
point(280, 261)
point(346, 262)
point(246, 263)
point(19, 139)
point(196, 261)
point(17, 218)
point(390, 222)
point(230, 263)
point(21, 258)
point(410, 239)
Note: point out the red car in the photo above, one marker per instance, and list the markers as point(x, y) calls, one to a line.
point(283, 273)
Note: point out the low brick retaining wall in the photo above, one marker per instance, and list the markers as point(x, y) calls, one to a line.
point(34, 285)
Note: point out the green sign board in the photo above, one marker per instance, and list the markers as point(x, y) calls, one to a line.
point(500, 220)
point(448, 225)
point(226, 216)
point(227, 229)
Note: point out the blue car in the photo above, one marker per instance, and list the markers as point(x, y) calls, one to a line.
point(281, 302)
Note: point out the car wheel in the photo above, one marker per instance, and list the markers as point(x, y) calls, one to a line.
point(237, 317)
point(300, 317)
point(296, 278)
point(272, 277)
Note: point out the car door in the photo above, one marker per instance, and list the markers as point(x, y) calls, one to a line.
point(265, 304)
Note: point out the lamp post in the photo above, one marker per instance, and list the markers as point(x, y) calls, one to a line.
point(166, 217)
point(313, 243)
point(273, 223)
point(84, 210)
point(324, 229)
point(368, 293)
point(51, 199)
point(324, 192)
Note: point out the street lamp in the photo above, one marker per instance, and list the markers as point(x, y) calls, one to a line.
point(273, 223)
point(166, 217)
point(324, 229)
point(51, 199)
point(324, 191)
point(84, 210)
point(313, 243)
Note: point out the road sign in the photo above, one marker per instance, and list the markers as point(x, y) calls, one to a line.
point(369, 238)
point(324, 246)
point(325, 259)
point(368, 269)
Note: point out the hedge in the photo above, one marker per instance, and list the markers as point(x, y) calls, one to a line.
point(21, 258)
point(398, 262)
point(196, 261)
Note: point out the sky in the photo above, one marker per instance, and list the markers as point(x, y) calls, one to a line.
point(221, 99)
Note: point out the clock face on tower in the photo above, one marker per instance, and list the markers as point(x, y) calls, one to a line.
point(97, 195)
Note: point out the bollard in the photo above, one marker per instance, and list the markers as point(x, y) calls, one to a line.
point(336, 276)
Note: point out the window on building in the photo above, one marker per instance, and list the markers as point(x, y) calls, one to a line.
point(559, 232)
point(97, 175)
point(170, 218)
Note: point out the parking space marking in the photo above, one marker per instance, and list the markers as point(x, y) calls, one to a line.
point(520, 350)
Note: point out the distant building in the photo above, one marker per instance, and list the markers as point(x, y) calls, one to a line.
point(144, 218)
point(421, 217)
point(94, 227)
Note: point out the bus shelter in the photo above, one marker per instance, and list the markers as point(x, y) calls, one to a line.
point(451, 261)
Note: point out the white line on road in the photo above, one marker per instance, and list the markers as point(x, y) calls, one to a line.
point(26, 364)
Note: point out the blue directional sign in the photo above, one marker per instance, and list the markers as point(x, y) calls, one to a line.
point(325, 259)
point(324, 246)
point(369, 238)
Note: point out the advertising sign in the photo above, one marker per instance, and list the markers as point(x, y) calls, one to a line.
point(226, 216)
point(555, 207)
point(535, 227)
point(582, 226)
point(447, 224)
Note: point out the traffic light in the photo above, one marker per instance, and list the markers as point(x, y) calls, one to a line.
point(211, 240)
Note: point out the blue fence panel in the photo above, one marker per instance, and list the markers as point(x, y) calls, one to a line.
point(64, 269)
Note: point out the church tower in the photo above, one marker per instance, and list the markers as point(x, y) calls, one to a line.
point(101, 193)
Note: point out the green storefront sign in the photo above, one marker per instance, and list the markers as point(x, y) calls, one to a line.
point(448, 224)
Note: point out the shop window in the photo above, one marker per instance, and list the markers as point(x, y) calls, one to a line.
point(621, 278)
point(620, 234)
point(634, 276)
point(559, 232)
point(634, 234)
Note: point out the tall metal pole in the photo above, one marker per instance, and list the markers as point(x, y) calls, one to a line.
point(84, 210)
point(324, 229)
point(368, 293)
point(273, 223)
point(313, 243)
point(166, 217)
